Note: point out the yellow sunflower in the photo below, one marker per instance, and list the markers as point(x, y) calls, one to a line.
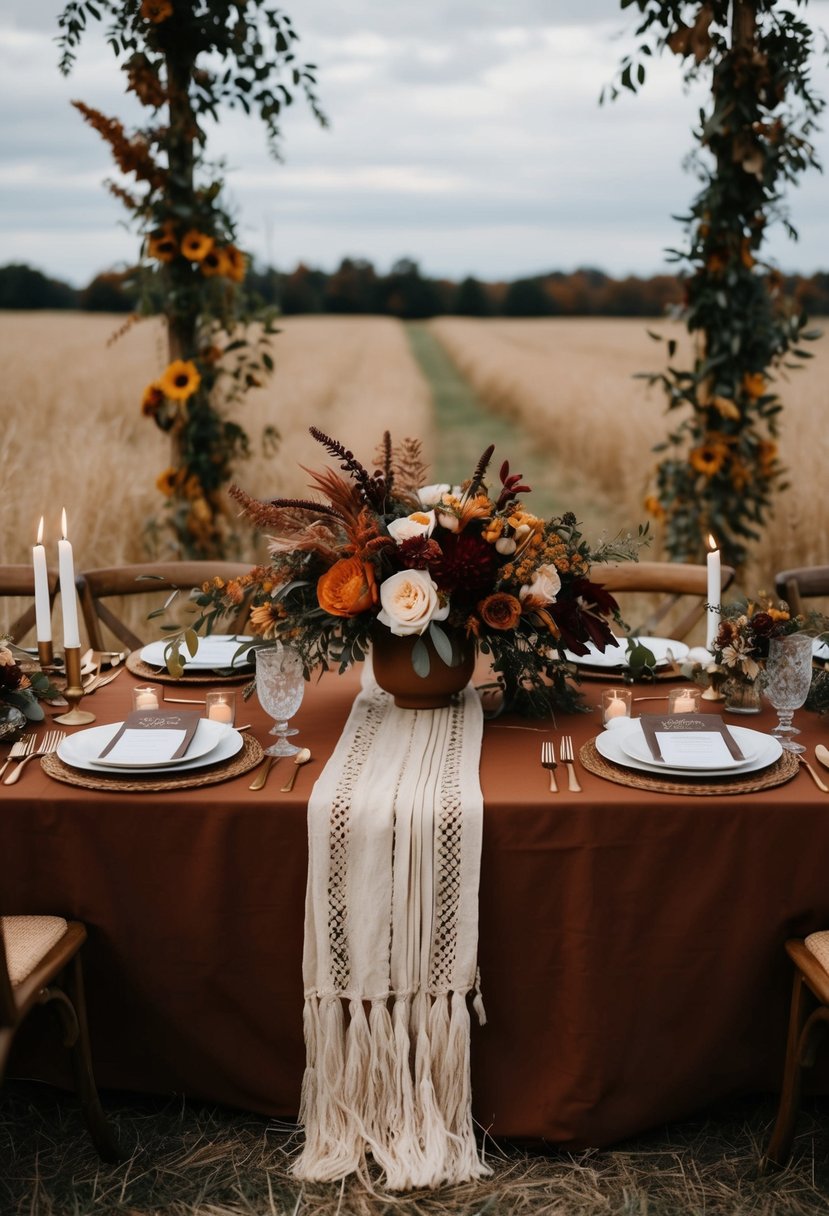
point(156, 10)
point(196, 245)
point(214, 263)
point(180, 380)
point(709, 457)
point(169, 481)
point(235, 263)
point(754, 384)
point(152, 400)
point(162, 246)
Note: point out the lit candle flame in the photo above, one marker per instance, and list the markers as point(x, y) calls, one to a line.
point(712, 544)
point(63, 523)
point(40, 531)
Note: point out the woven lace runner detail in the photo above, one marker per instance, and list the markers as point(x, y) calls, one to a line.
point(391, 938)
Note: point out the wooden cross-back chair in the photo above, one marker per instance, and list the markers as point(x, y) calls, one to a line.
point(17, 582)
point(96, 586)
point(800, 583)
point(808, 1019)
point(673, 581)
point(40, 964)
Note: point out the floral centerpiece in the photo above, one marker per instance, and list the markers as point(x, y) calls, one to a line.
point(19, 694)
point(384, 555)
point(742, 645)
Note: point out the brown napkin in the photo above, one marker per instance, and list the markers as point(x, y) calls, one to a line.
point(653, 723)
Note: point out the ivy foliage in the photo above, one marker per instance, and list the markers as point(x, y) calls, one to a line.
point(719, 466)
point(186, 60)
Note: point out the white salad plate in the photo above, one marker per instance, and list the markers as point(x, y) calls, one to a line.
point(766, 750)
point(214, 653)
point(616, 656)
point(214, 741)
point(635, 745)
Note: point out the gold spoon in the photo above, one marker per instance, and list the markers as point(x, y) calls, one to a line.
point(302, 757)
point(822, 754)
point(813, 774)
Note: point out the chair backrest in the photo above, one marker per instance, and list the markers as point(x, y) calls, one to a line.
point(8, 1010)
point(673, 581)
point(18, 582)
point(801, 582)
point(95, 586)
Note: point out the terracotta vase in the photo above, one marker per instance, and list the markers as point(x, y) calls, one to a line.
point(395, 673)
point(741, 696)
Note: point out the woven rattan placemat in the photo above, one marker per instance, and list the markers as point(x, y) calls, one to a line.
point(776, 774)
point(138, 667)
point(246, 759)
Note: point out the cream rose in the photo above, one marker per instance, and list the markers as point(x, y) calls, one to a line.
point(429, 495)
point(545, 585)
point(409, 602)
point(420, 523)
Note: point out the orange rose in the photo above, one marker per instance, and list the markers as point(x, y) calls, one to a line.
point(348, 588)
point(500, 611)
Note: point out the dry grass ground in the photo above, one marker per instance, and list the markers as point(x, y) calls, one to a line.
point(186, 1160)
point(73, 434)
point(570, 382)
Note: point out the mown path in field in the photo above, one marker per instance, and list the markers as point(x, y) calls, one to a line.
point(465, 426)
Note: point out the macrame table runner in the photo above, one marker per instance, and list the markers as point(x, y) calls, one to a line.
point(391, 934)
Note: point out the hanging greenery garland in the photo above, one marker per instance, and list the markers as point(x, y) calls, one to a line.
point(183, 60)
point(720, 466)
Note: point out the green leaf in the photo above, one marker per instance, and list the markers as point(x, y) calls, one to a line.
point(420, 659)
point(442, 645)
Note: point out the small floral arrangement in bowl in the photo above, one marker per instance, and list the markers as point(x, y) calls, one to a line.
point(742, 642)
point(383, 554)
point(19, 694)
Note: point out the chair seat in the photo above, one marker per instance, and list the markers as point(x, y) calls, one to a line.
point(818, 945)
point(28, 940)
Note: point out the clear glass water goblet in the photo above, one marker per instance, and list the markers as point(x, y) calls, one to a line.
point(786, 684)
point(280, 687)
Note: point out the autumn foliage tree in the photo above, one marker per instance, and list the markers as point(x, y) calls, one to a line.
point(719, 467)
point(184, 60)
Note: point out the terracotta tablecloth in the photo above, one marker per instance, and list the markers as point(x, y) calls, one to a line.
point(630, 942)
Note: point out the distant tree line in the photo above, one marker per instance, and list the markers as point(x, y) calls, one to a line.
point(356, 288)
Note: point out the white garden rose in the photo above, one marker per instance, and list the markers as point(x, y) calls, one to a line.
point(409, 602)
point(420, 523)
point(545, 585)
point(429, 495)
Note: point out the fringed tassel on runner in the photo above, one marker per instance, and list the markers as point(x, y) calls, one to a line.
point(334, 1133)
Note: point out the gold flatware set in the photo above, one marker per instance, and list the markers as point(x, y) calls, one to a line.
point(258, 783)
point(27, 749)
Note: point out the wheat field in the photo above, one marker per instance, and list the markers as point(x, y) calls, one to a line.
point(74, 435)
point(571, 382)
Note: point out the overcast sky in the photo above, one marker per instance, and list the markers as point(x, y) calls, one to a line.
point(465, 134)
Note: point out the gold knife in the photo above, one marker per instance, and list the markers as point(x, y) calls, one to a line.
point(264, 771)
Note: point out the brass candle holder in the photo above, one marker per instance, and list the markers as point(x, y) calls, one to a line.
point(45, 654)
point(74, 690)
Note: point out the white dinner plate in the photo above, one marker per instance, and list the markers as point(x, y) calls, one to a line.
point(83, 749)
point(616, 656)
point(635, 745)
point(768, 749)
point(820, 650)
point(214, 653)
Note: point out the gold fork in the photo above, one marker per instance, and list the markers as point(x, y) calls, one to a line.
point(548, 760)
point(565, 751)
point(50, 744)
point(21, 748)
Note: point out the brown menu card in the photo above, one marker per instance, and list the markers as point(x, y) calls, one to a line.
point(175, 731)
point(655, 724)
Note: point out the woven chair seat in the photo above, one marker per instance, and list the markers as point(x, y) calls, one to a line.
point(818, 944)
point(28, 940)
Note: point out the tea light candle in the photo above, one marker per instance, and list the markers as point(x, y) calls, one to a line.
point(221, 706)
point(616, 705)
point(144, 698)
point(616, 709)
point(68, 600)
point(43, 611)
point(684, 703)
